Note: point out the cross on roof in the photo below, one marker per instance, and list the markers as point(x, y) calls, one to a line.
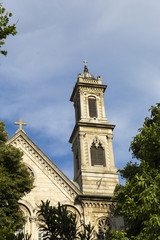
point(85, 66)
point(85, 62)
point(20, 123)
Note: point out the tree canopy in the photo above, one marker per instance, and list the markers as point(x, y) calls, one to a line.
point(139, 200)
point(5, 28)
point(15, 182)
point(59, 223)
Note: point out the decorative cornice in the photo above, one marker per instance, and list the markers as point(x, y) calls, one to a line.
point(20, 138)
point(102, 205)
point(94, 197)
point(91, 90)
point(86, 85)
point(91, 201)
point(91, 125)
point(86, 80)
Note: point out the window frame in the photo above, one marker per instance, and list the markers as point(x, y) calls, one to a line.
point(92, 107)
point(94, 154)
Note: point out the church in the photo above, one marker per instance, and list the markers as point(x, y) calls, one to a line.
point(95, 175)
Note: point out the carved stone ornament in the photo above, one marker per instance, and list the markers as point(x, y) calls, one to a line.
point(96, 142)
point(104, 226)
point(97, 91)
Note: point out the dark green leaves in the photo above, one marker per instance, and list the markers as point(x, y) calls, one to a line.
point(59, 223)
point(146, 144)
point(3, 134)
point(15, 182)
point(139, 200)
point(5, 28)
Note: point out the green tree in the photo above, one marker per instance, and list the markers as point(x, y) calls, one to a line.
point(21, 236)
point(139, 200)
point(59, 223)
point(87, 233)
point(15, 182)
point(5, 28)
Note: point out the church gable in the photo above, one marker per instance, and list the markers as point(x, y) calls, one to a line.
point(49, 180)
point(94, 169)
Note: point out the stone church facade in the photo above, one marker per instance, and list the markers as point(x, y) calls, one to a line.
point(95, 176)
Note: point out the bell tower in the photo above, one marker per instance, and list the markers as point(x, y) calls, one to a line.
point(91, 139)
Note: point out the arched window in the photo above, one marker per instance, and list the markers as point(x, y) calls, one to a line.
point(104, 226)
point(26, 227)
point(97, 155)
point(92, 103)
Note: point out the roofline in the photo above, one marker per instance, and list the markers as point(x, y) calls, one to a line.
point(49, 161)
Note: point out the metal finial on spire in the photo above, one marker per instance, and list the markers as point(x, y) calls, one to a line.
point(20, 123)
point(85, 66)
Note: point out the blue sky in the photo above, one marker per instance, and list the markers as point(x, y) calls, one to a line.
point(121, 41)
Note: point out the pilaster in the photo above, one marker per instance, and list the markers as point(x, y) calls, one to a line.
point(33, 227)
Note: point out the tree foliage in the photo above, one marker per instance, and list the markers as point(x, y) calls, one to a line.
point(5, 28)
point(20, 236)
point(139, 200)
point(15, 182)
point(117, 235)
point(146, 144)
point(59, 223)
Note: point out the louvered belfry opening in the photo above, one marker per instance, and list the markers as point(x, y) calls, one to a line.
point(97, 155)
point(92, 106)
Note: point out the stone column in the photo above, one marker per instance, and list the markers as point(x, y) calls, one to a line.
point(81, 106)
point(81, 137)
point(103, 107)
point(33, 228)
point(111, 156)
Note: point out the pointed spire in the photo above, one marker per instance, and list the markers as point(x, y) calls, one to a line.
point(85, 66)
